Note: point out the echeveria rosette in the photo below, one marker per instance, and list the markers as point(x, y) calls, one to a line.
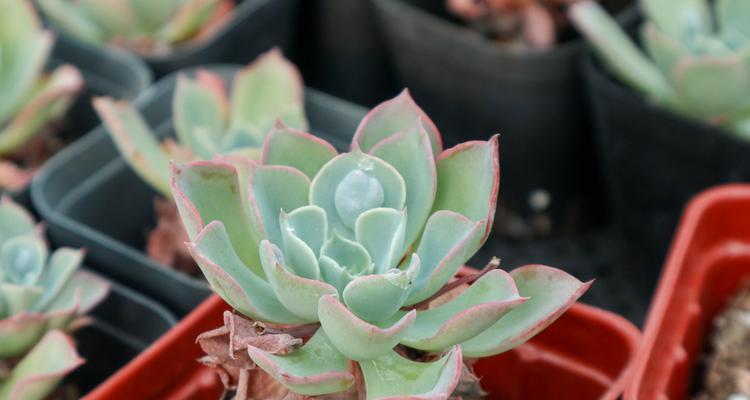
point(696, 56)
point(358, 242)
point(145, 26)
point(207, 120)
point(31, 98)
point(42, 295)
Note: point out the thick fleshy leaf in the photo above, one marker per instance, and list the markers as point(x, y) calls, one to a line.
point(273, 189)
point(22, 259)
point(314, 369)
point(295, 148)
point(348, 254)
point(395, 377)
point(409, 152)
point(381, 232)
point(355, 338)
point(188, 20)
point(353, 183)
point(377, 297)
point(551, 292)
point(18, 333)
point(679, 18)
point(199, 119)
point(50, 100)
point(135, 141)
point(112, 17)
point(621, 55)
point(391, 117)
point(25, 51)
point(72, 20)
point(299, 295)
point(18, 298)
point(732, 15)
point(469, 180)
point(299, 257)
point(665, 50)
point(81, 293)
point(269, 87)
point(233, 281)
point(14, 220)
point(449, 240)
point(39, 372)
point(308, 223)
point(334, 273)
point(206, 191)
point(473, 311)
point(60, 268)
point(712, 86)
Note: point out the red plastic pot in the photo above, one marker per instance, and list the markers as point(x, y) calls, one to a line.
point(710, 257)
point(586, 354)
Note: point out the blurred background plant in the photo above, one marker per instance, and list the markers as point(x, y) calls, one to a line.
point(146, 27)
point(695, 58)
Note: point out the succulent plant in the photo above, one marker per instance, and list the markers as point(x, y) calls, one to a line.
point(144, 26)
point(207, 122)
point(31, 98)
point(532, 23)
point(696, 61)
point(362, 243)
point(39, 294)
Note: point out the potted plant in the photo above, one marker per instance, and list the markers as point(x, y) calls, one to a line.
point(42, 80)
point(339, 266)
point(694, 344)
point(497, 66)
point(670, 113)
point(176, 34)
point(45, 296)
point(76, 191)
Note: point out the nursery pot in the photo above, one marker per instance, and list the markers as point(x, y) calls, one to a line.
point(586, 354)
point(341, 50)
point(474, 87)
point(91, 198)
point(105, 73)
point(709, 259)
point(655, 160)
point(123, 325)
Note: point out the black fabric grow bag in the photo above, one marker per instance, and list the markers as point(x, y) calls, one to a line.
point(106, 73)
point(473, 88)
point(123, 325)
point(341, 50)
point(91, 198)
point(654, 160)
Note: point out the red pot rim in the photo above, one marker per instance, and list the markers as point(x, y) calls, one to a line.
point(674, 275)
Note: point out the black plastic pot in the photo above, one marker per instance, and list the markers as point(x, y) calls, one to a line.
point(341, 50)
point(106, 73)
point(655, 160)
point(473, 88)
point(255, 26)
point(123, 325)
point(91, 198)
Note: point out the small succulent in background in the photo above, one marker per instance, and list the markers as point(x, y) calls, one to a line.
point(207, 122)
point(530, 23)
point(696, 59)
point(146, 27)
point(31, 98)
point(39, 293)
point(356, 251)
